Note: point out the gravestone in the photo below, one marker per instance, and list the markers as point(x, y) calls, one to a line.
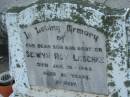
point(56, 51)
point(66, 55)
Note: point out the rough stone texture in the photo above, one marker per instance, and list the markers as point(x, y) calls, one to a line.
point(113, 26)
point(128, 33)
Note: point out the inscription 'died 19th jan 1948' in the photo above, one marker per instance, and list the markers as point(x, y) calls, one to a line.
point(66, 55)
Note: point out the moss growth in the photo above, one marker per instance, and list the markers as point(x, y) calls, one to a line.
point(80, 9)
point(128, 92)
point(105, 31)
point(78, 19)
point(108, 20)
point(113, 53)
point(88, 15)
point(25, 85)
point(129, 54)
point(85, 3)
point(18, 65)
point(108, 26)
point(111, 84)
point(35, 22)
point(109, 75)
point(115, 94)
point(22, 26)
point(39, 7)
point(63, 1)
point(127, 83)
point(128, 63)
point(48, 6)
point(121, 69)
point(109, 66)
point(108, 47)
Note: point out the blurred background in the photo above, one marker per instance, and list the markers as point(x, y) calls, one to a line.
point(3, 47)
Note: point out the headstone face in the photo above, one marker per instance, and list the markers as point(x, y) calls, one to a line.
point(66, 55)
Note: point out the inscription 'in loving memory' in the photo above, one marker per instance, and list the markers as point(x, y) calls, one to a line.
point(67, 56)
point(70, 29)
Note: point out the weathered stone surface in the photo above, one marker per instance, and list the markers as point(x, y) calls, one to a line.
point(115, 25)
point(67, 56)
point(119, 4)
